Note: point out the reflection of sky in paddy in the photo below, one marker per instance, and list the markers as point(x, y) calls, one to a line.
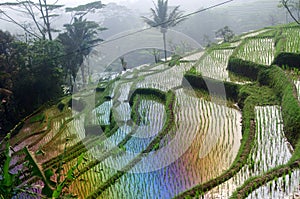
point(136, 145)
point(102, 113)
point(121, 113)
point(154, 117)
point(167, 182)
point(164, 183)
point(117, 137)
point(189, 169)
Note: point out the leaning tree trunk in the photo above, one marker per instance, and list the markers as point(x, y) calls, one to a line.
point(165, 45)
point(291, 14)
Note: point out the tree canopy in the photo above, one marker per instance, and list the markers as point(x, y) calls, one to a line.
point(31, 74)
point(226, 33)
point(163, 19)
point(40, 15)
point(77, 41)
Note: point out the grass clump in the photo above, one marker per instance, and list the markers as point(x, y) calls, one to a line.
point(37, 118)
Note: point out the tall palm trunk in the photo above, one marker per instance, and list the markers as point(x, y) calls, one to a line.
point(165, 45)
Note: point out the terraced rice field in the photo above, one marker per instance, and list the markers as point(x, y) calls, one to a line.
point(214, 64)
point(283, 187)
point(169, 138)
point(258, 50)
point(253, 34)
point(213, 141)
point(101, 113)
point(271, 149)
point(165, 80)
point(194, 57)
point(291, 43)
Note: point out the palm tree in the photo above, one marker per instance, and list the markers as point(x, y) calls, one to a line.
point(77, 42)
point(163, 19)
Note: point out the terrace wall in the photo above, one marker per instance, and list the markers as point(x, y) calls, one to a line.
point(200, 82)
point(286, 91)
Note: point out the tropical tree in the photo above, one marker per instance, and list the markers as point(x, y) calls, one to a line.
point(30, 75)
point(40, 14)
point(156, 54)
point(164, 19)
point(293, 8)
point(77, 42)
point(226, 33)
point(82, 10)
point(123, 63)
point(39, 76)
point(7, 70)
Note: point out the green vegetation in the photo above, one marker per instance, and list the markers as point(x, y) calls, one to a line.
point(164, 19)
point(40, 68)
point(199, 82)
point(249, 96)
point(38, 118)
point(226, 33)
point(9, 182)
point(34, 71)
point(244, 68)
point(169, 99)
point(285, 90)
point(287, 47)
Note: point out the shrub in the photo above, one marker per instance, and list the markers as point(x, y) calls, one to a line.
point(147, 91)
point(37, 118)
point(285, 89)
point(290, 59)
point(244, 68)
point(202, 83)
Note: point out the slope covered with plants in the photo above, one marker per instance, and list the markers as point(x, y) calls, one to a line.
point(164, 131)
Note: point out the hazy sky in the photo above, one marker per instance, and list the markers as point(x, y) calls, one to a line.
point(190, 5)
point(77, 2)
point(143, 5)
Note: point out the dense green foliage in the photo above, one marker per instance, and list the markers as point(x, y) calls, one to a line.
point(31, 74)
point(226, 33)
point(200, 82)
point(8, 181)
point(285, 90)
point(148, 92)
point(288, 59)
point(244, 68)
point(76, 41)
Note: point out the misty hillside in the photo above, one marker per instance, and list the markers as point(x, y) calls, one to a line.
point(240, 17)
point(150, 101)
point(169, 130)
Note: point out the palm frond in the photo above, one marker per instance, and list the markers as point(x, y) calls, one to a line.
point(156, 18)
point(176, 17)
point(160, 15)
point(150, 22)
